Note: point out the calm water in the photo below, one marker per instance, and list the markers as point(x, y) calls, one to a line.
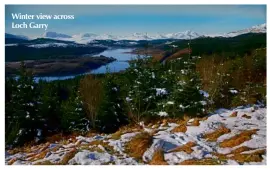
point(122, 57)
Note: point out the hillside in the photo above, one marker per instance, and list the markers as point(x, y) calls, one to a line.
point(233, 46)
point(236, 136)
point(24, 52)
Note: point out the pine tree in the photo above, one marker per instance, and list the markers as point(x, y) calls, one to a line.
point(185, 97)
point(73, 116)
point(49, 106)
point(24, 108)
point(111, 112)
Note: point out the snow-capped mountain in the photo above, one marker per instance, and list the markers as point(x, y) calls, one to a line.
point(55, 35)
point(183, 35)
point(254, 29)
point(138, 36)
point(88, 37)
point(85, 38)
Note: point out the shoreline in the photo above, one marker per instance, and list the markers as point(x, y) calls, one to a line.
point(59, 67)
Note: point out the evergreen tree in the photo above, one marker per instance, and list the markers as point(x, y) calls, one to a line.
point(185, 97)
point(111, 112)
point(73, 116)
point(23, 107)
point(49, 106)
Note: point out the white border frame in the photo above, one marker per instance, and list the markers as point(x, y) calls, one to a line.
point(132, 2)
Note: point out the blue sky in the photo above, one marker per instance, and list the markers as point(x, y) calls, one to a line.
point(124, 19)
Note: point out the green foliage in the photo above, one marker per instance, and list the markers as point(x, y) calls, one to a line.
point(154, 89)
point(226, 47)
point(23, 52)
point(73, 115)
point(111, 114)
point(34, 110)
point(49, 106)
point(22, 109)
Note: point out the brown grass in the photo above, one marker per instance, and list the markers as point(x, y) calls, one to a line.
point(246, 116)
point(106, 145)
point(126, 129)
point(186, 148)
point(64, 161)
point(158, 158)
point(238, 139)
point(195, 122)
point(47, 162)
point(14, 151)
point(63, 138)
point(28, 148)
point(234, 114)
point(91, 133)
point(39, 156)
point(251, 157)
point(180, 128)
point(241, 149)
point(186, 118)
point(54, 138)
point(212, 137)
point(155, 126)
point(67, 157)
point(220, 156)
point(92, 149)
point(130, 128)
point(241, 158)
point(139, 144)
point(164, 122)
point(205, 161)
point(10, 162)
point(204, 118)
point(56, 148)
point(116, 135)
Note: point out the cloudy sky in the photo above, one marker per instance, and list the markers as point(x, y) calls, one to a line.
point(124, 20)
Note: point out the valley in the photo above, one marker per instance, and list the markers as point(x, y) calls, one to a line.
point(199, 101)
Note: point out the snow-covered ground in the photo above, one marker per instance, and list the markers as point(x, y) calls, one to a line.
point(48, 45)
point(238, 120)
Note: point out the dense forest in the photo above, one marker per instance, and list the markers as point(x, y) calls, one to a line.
point(229, 47)
point(23, 52)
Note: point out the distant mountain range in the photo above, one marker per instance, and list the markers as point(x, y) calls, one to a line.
point(88, 37)
point(22, 37)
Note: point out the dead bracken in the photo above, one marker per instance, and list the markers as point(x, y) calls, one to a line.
point(132, 148)
point(195, 122)
point(241, 149)
point(212, 137)
point(206, 161)
point(251, 157)
point(238, 139)
point(180, 128)
point(158, 158)
point(186, 148)
point(246, 116)
point(234, 114)
point(139, 144)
